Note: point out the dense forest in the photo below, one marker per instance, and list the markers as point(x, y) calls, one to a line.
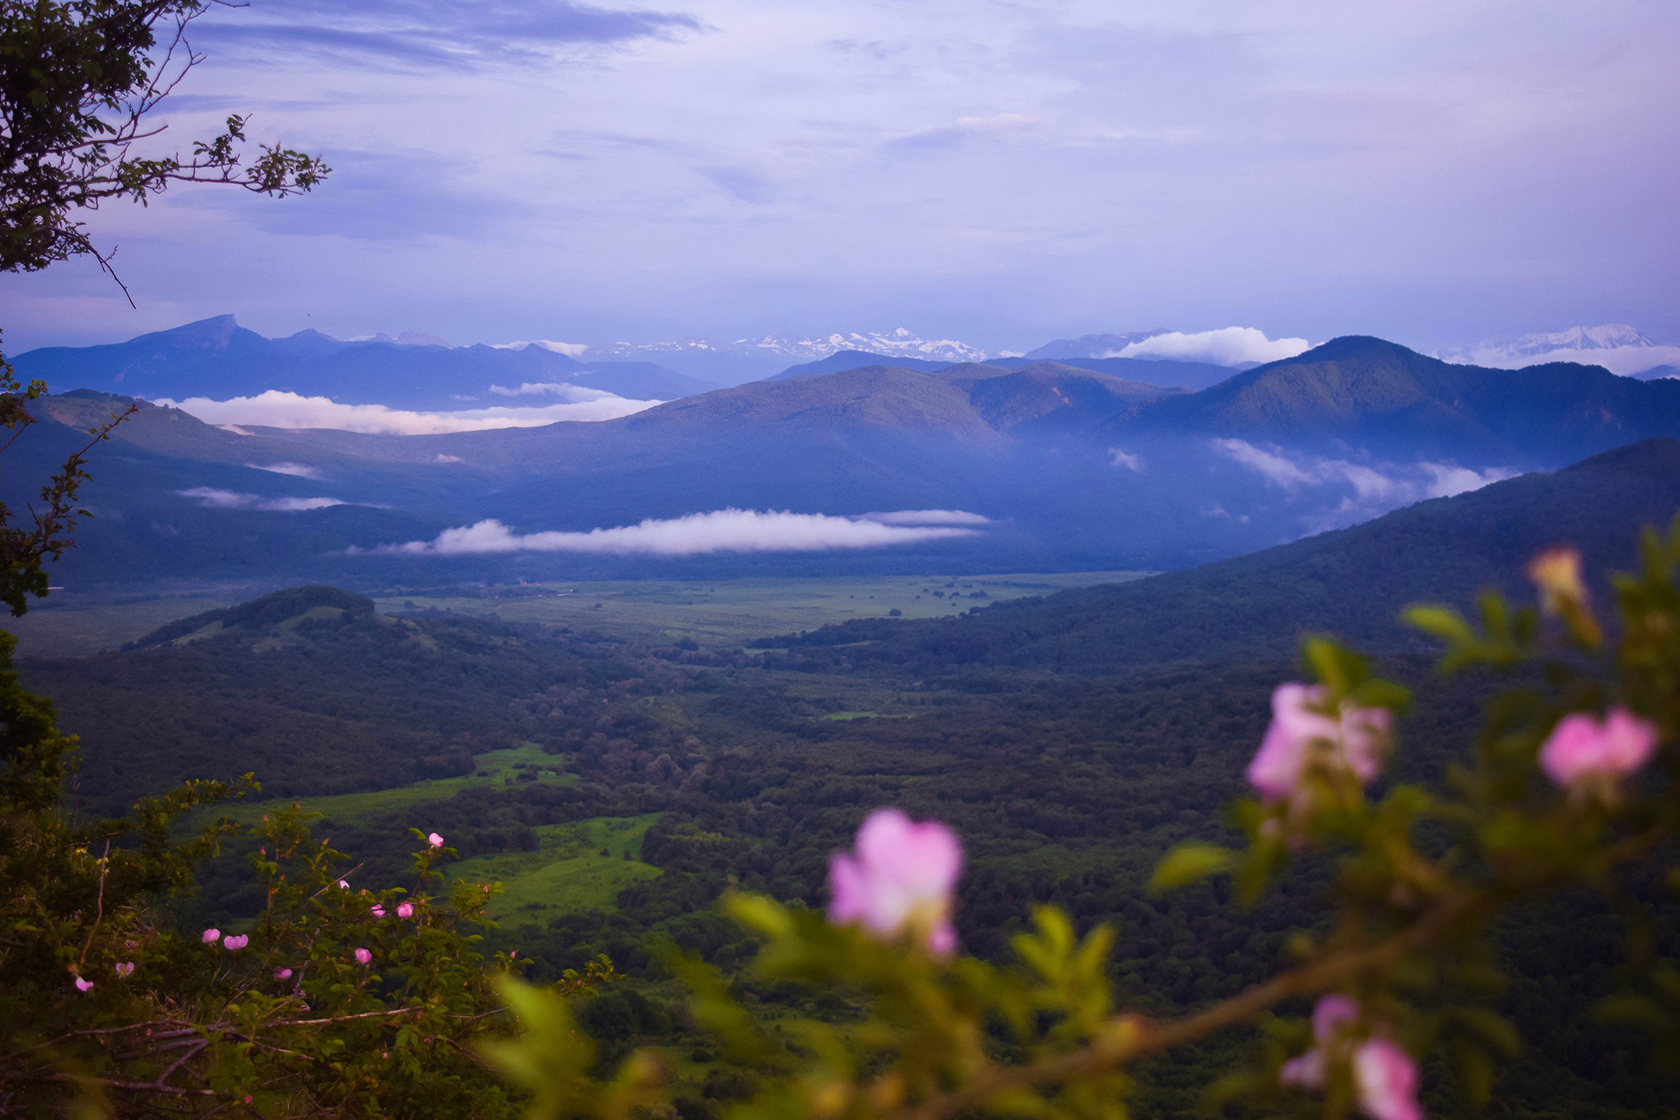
point(753, 767)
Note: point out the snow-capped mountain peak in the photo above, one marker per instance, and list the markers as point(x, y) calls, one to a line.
point(1616, 346)
point(897, 342)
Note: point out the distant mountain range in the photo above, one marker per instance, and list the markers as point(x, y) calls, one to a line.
point(969, 467)
point(218, 358)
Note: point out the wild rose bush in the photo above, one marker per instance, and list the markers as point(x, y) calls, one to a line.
point(337, 1000)
point(1572, 783)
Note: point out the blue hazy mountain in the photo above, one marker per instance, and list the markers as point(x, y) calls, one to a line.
point(1382, 398)
point(1073, 468)
point(218, 358)
point(1161, 373)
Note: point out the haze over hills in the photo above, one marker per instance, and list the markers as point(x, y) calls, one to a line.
point(1353, 582)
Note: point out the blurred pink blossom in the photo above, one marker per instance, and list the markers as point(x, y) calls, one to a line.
point(1384, 1076)
point(898, 879)
point(363, 956)
point(377, 910)
point(234, 942)
point(344, 884)
point(435, 840)
point(125, 968)
point(1582, 746)
point(211, 936)
point(83, 985)
point(282, 974)
point(1357, 740)
point(405, 909)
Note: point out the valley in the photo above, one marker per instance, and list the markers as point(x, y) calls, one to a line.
point(618, 769)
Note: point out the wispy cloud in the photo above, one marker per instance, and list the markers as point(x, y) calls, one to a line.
point(1228, 346)
point(966, 129)
point(296, 470)
point(276, 409)
point(1125, 459)
point(212, 498)
point(436, 34)
point(1368, 488)
point(928, 517)
point(563, 389)
point(698, 534)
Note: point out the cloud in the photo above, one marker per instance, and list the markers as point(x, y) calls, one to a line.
point(928, 517)
point(566, 390)
point(1228, 346)
point(1376, 488)
point(227, 499)
point(698, 534)
point(424, 34)
point(569, 349)
point(1277, 470)
point(1125, 459)
point(296, 470)
point(1624, 360)
point(965, 129)
point(276, 409)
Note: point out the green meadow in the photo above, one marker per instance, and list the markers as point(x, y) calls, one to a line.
point(495, 769)
point(581, 865)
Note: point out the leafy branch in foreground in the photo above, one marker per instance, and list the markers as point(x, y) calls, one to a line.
point(1576, 783)
point(82, 80)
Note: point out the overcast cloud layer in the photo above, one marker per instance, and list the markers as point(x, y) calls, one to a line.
point(1433, 171)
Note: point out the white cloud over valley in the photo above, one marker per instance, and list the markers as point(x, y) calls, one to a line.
point(277, 409)
point(698, 534)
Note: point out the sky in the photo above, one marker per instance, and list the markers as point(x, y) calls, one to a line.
point(1437, 172)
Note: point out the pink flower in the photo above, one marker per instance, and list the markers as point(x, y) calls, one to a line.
point(363, 956)
point(1384, 1076)
point(234, 942)
point(435, 840)
point(344, 884)
point(1355, 741)
point(282, 974)
point(125, 968)
point(1387, 1079)
point(899, 880)
point(83, 985)
point(405, 909)
point(1581, 746)
point(377, 910)
point(211, 936)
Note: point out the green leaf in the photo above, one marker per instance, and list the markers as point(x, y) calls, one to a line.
point(1188, 863)
point(1474, 1069)
point(1443, 622)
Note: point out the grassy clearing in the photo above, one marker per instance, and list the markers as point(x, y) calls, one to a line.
point(495, 768)
point(577, 866)
point(724, 613)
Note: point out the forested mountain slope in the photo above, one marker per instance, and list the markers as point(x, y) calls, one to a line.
point(1377, 395)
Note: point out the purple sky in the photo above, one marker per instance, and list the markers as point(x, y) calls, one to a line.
point(1435, 171)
